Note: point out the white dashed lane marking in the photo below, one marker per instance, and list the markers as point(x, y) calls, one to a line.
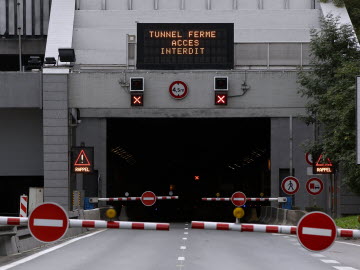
point(344, 268)
point(181, 258)
point(184, 238)
point(318, 255)
point(183, 247)
point(329, 261)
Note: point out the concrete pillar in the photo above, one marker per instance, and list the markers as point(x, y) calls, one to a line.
point(56, 139)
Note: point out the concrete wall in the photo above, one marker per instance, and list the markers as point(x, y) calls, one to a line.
point(20, 90)
point(192, 4)
point(100, 36)
point(21, 142)
point(271, 94)
point(280, 152)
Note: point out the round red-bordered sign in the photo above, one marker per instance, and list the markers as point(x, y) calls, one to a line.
point(314, 186)
point(178, 90)
point(148, 198)
point(290, 185)
point(238, 198)
point(309, 159)
point(48, 222)
point(316, 231)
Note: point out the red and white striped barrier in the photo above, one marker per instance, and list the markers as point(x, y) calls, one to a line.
point(78, 223)
point(23, 205)
point(167, 197)
point(216, 199)
point(280, 199)
point(262, 228)
point(81, 223)
point(243, 227)
point(120, 199)
point(14, 221)
point(137, 198)
point(348, 233)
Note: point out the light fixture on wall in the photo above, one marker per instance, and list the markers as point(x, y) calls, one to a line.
point(67, 55)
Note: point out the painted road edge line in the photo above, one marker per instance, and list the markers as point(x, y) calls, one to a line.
point(36, 255)
point(351, 244)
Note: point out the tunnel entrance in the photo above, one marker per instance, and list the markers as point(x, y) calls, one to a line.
point(192, 158)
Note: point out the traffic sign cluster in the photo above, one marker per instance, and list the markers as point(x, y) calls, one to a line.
point(290, 185)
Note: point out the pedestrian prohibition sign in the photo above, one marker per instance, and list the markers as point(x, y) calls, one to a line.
point(48, 222)
point(314, 186)
point(316, 231)
point(148, 198)
point(290, 185)
point(238, 198)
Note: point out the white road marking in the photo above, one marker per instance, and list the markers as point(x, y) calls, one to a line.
point(36, 255)
point(186, 233)
point(316, 231)
point(344, 268)
point(317, 255)
point(184, 238)
point(183, 247)
point(181, 258)
point(352, 244)
point(186, 228)
point(48, 222)
point(329, 261)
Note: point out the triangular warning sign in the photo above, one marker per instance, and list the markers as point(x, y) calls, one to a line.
point(82, 160)
point(328, 164)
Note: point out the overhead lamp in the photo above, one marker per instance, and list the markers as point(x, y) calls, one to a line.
point(67, 55)
point(34, 62)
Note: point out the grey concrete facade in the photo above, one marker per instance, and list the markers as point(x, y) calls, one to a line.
point(21, 142)
point(21, 90)
point(98, 87)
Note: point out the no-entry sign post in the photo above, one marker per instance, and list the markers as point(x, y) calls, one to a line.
point(238, 198)
point(148, 198)
point(48, 222)
point(316, 231)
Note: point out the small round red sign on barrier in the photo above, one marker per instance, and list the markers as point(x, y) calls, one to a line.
point(148, 198)
point(238, 198)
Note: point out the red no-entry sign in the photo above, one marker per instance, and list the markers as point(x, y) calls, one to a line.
point(148, 198)
point(316, 231)
point(48, 222)
point(238, 198)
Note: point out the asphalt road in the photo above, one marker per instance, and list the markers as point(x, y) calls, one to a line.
point(183, 248)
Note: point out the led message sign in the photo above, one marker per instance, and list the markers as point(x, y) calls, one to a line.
point(185, 46)
point(82, 159)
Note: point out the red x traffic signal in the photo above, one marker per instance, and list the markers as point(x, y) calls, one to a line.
point(221, 98)
point(137, 100)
